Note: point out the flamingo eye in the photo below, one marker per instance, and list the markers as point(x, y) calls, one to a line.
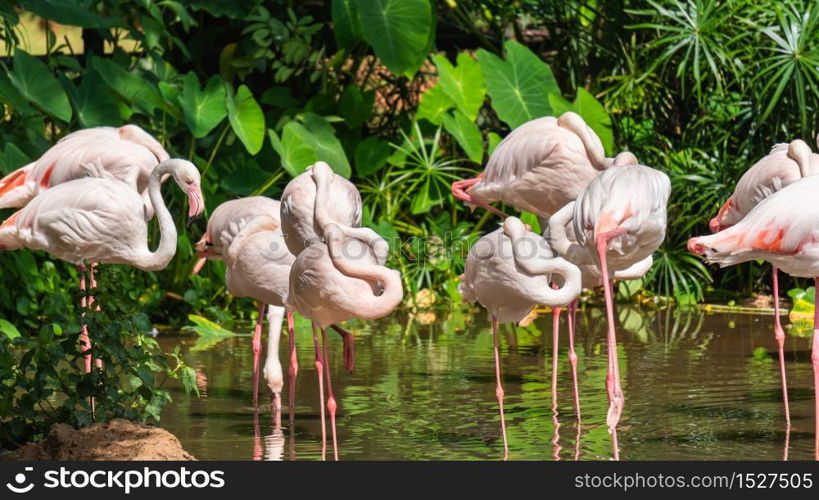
point(189, 181)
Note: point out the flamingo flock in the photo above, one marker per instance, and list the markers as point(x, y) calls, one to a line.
point(90, 198)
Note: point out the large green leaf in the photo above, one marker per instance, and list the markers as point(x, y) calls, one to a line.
point(592, 112)
point(296, 155)
point(356, 106)
point(203, 109)
point(463, 84)
point(245, 181)
point(371, 155)
point(95, 104)
point(35, 81)
point(466, 133)
point(398, 31)
point(520, 85)
point(247, 119)
point(322, 138)
point(346, 27)
point(69, 12)
point(434, 104)
point(131, 86)
point(12, 158)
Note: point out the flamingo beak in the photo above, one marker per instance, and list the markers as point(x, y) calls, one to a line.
point(196, 203)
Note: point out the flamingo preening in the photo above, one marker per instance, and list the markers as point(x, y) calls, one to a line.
point(780, 229)
point(338, 279)
point(108, 227)
point(784, 165)
point(540, 166)
point(510, 271)
point(258, 266)
point(621, 220)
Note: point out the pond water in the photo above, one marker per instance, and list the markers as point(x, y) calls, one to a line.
point(697, 387)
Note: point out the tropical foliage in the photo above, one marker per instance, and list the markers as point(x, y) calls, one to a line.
point(401, 96)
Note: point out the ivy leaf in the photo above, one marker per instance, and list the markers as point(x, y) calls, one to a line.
point(203, 110)
point(246, 119)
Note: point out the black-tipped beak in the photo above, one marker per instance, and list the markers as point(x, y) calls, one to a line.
point(190, 221)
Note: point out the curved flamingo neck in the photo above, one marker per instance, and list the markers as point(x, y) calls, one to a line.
point(159, 258)
point(372, 273)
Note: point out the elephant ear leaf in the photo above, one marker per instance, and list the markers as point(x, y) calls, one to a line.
point(35, 81)
point(203, 109)
point(246, 118)
point(518, 86)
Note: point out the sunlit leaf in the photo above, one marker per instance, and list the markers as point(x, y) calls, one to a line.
point(203, 109)
point(246, 119)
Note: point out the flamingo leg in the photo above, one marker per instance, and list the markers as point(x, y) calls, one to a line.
point(499, 387)
point(257, 351)
point(815, 359)
point(571, 317)
point(92, 300)
point(85, 341)
point(331, 400)
point(349, 347)
point(555, 332)
point(320, 370)
point(613, 387)
point(292, 371)
point(780, 340)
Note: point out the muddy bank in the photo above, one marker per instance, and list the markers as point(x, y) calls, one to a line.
point(115, 440)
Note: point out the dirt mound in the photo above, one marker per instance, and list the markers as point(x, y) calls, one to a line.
point(115, 440)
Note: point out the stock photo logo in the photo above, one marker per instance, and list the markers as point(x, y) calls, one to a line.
point(20, 485)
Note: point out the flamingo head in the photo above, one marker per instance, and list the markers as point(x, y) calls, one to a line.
point(188, 179)
point(695, 247)
point(715, 225)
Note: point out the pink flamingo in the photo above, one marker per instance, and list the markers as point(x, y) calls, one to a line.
point(509, 271)
point(561, 236)
point(310, 201)
point(784, 165)
point(258, 266)
point(338, 279)
point(128, 153)
point(107, 227)
point(781, 229)
point(227, 222)
point(540, 166)
point(621, 219)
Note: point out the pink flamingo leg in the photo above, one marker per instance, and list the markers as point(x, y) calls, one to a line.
point(780, 340)
point(571, 317)
point(349, 347)
point(257, 350)
point(555, 331)
point(331, 400)
point(85, 341)
point(200, 263)
point(92, 300)
point(293, 371)
point(320, 370)
point(613, 376)
point(499, 387)
point(815, 359)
